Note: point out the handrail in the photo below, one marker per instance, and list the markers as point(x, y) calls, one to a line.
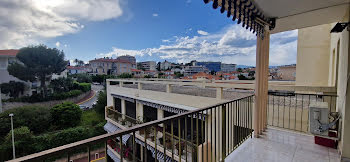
point(273, 85)
point(105, 137)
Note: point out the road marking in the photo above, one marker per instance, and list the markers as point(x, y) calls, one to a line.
point(87, 99)
point(97, 159)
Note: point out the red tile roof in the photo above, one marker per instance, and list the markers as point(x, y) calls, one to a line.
point(110, 60)
point(136, 70)
point(11, 52)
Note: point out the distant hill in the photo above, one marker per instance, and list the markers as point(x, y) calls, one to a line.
point(243, 66)
point(247, 66)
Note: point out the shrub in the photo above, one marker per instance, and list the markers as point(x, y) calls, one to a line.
point(23, 143)
point(83, 78)
point(54, 96)
point(85, 87)
point(101, 102)
point(62, 84)
point(66, 115)
point(35, 118)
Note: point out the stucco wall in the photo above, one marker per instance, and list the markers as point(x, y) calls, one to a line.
point(343, 86)
point(313, 56)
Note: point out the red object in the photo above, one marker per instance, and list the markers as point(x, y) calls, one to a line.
point(327, 142)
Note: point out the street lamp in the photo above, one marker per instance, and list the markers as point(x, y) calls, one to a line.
point(13, 137)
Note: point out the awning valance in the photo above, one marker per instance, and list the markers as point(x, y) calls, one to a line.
point(111, 128)
point(124, 98)
point(160, 155)
point(163, 107)
point(113, 156)
point(246, 12)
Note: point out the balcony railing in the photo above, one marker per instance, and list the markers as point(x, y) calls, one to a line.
point(223, 127)
point(290, 110)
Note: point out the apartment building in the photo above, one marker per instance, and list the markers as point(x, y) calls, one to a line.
point(110, 66)
point(166, 65)
point(190, 70)
point(147, 66)
point(211, 66)
point(129, 58)
point(287, 72)
point(227, 68)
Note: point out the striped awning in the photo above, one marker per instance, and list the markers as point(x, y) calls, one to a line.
point(247, 13)
point(163, 107)
point(111, 128)
point(112, 156)
point(124, 98)
point(160, 155)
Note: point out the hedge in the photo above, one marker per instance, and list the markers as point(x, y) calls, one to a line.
point(39, 98)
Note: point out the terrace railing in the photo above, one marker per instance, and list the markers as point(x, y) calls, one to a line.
point(214, 133)
point(290, 110)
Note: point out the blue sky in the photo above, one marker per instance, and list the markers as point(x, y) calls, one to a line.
point(174, 30)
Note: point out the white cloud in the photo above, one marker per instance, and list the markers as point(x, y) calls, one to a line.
point(57, 44)
point(201, 32)
point(188, 1)
point(25, 22)
point(233, 44)
point(155, 15)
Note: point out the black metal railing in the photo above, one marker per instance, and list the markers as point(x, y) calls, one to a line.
point(207, 134)
point(290, 110)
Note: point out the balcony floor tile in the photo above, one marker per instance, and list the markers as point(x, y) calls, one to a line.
point(277, 145)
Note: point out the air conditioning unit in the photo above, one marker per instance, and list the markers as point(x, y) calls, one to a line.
point(318, 115)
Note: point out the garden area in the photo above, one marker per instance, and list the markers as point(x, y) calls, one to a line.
point(41, 128)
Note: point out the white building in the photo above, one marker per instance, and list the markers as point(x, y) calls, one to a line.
point(148, 65)
point(165, 65)
point(228, 67)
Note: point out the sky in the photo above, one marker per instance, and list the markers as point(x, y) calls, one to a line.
point(173, 30)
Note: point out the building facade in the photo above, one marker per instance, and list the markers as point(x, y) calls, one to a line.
point(190, 70)
point(109, 66)
point(228, 67)
point(147, 65)
point(128, 58)
point(211, 66)
point(165, 65)
point(287, 72)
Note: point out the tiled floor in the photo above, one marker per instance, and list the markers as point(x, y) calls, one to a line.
point(283, 146)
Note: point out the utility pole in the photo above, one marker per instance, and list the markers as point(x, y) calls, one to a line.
point(13, 137)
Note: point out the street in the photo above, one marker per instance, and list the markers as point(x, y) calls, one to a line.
point(88, 103)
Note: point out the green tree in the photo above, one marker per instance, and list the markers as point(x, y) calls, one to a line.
point(66, 115)
point(23, 143)
point(83, 78)
point(12, 88)
point(39, 62)
point(125, 75)
point(101, 102)
point(239, 69)
point(62, 84)
point(78, 62)
point(35, 118)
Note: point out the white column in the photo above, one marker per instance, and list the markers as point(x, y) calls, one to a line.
point(160, 115)
point(139, 111)
point(121, 84)
point(139, 86)
point(168, 88)
point(219, 93)
point(123, 107)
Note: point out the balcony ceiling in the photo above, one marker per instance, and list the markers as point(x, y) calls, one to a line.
point(284, 8)
point(289, 14)
point(296, 14)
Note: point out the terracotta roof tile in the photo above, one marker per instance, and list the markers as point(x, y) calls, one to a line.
point(11, 52)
